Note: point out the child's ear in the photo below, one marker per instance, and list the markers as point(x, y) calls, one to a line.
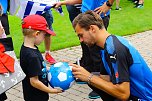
point(36, 33)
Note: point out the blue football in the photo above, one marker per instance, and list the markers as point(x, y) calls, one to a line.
point(60, 76)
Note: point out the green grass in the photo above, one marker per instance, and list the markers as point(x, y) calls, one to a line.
point(127, 21)
point(131, 20)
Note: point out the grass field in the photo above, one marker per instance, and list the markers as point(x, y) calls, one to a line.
point(127, 21)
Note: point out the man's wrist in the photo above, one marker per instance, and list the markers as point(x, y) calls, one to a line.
point(108, 4)
point(89, 78)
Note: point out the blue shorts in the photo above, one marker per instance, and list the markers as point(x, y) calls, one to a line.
point(49, 18)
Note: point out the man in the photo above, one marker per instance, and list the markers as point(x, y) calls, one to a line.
point(90, 56)
point(128, 77)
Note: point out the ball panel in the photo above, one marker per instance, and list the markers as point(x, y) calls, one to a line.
point(62, 76)
point(72, 83)
point(49, 76)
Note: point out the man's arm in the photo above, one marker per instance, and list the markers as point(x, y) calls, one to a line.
point(67, 2)
point(120, 91)
point(105, 77)
point(111, 1)
point(105, 7)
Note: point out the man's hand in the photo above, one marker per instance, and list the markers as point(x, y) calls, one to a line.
point(58, 4)
point(67, 2)
point(102, 9)
point(79, 72)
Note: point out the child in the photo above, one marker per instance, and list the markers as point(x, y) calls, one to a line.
point(35, 85)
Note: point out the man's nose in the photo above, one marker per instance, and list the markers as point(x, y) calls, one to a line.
point(81, 40)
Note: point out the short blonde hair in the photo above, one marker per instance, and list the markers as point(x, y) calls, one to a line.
point(28, 32)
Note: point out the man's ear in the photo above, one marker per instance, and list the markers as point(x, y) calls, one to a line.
point(92, 28)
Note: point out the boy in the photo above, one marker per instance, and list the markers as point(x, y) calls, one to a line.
point(35, 85)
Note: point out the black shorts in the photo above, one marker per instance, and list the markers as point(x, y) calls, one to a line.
point(5, 23)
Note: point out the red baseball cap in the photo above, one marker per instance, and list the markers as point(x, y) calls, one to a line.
point(36, 22)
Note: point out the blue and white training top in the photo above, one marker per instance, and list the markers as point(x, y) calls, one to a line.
point(124, 64)
point(92, 5)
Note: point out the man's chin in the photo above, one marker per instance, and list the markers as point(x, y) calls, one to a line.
point(90, 45)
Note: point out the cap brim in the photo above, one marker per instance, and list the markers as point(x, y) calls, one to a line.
point(50, 32)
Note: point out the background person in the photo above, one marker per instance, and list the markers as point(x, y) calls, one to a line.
point(73, 11)
point(139, 4)
point(47, 41)
point(117, 5)
point(4, 29)
point(90, 55)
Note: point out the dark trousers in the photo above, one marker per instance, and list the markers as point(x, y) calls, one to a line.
point(91, 58)
point(73, 11)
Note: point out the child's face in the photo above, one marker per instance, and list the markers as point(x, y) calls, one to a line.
point(39, 37)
